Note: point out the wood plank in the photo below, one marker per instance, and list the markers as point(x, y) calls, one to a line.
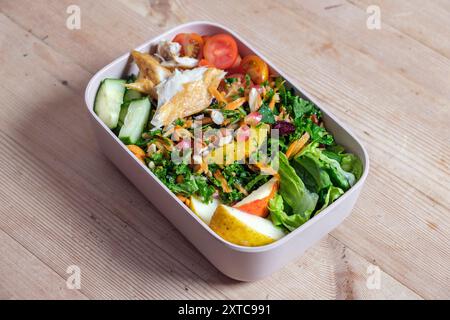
point(23, 276)
point(94, 230)
point(428, 24)
point(94, 39)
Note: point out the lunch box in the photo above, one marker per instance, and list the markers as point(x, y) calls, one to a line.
point(238, 262)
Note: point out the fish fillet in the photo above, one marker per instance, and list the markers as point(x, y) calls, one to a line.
point(193, 98)
point(151, 73)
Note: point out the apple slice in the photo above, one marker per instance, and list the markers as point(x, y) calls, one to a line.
point(244, 229)
point(204, 210)
point(257, 202)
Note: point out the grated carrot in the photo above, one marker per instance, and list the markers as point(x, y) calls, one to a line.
point(272, 102)
point(296, 146)
point(216, 94)
point(235, 104)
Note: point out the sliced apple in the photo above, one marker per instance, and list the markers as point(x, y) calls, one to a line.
point(243, 229)
point(257, 202)
point(204, 210)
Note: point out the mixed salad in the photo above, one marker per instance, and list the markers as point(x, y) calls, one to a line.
point(230, 139)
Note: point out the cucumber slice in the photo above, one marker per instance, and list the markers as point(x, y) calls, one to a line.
point(135, 121)
point(109, 100)
point(131, 95)
point(123, 114)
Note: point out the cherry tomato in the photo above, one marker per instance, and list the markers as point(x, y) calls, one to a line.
point(315, 119)
point(237, 63)
point(221, 50)
point(205, 38)
point(236, 67)
point(191, 44)
point(205, 63)
point(256, 68)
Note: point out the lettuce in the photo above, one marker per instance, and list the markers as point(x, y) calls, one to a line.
point(311, 171)
point(280, 218)
point(353, 164)
point(293, 190)
point(338, 176)
point(332, 193)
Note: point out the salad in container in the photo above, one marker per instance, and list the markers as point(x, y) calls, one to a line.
point(229, 138)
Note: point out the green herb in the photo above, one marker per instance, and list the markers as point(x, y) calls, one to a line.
point(247, 80)
point(302, 107)
point(317, 133)
point(167, 171)
point(269, 95)
point(267, 114)
point(235, 173)
point(179, 122)
point(256, 182)
point(230, 80)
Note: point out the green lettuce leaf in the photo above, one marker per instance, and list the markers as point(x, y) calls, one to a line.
point(280, 218)
point(310, 169)
point(293, 190)
point(330, 196)
point(353, 164)
point(338, 176)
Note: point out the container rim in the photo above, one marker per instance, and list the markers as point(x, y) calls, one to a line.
point(286, 238)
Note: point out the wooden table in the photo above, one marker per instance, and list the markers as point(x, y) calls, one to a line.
point(63, 203)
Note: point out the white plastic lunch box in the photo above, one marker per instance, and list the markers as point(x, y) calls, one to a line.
point(238, 262)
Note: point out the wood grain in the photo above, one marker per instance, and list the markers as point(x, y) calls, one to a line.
point(23, 276)
point(79, 209)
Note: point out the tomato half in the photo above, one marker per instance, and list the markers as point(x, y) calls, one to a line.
point(237, 64)
point(191, 44)
point(256, 68)
point(221, 50)
point(205, 63)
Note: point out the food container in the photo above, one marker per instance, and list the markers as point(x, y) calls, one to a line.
point(238, 262)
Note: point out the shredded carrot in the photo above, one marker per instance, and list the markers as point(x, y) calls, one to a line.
point(272, 102)
point(216, 94)
point(266, 169)
point(138, 152)
point(184, 199)
point(297, 145)
point(235, 104)
point(225, 187)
